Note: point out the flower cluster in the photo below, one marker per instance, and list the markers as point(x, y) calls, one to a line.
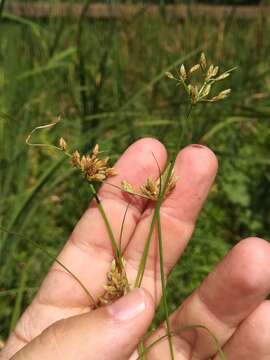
point(91, 165)
point(151, 188)
point(201, 92)
point(93, 168)
point(116, 286)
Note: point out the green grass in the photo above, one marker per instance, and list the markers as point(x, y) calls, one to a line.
point(106, 80)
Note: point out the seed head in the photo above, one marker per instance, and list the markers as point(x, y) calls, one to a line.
point(126, 186)
point(194, 68)
point(223, 76)
point(203, 62)
point(76, 159)
point(95, 150)
point(193, 92)
point(183, 73)
point(206, 90)
point(171, 183)
point(62, 144)
point(201, 92)
point(222, 95)
point(215, 71)
point(117, 284)
point(93, 168)
point(225, 93)
point(169, 75)
point(151, 188)
point(210, 72)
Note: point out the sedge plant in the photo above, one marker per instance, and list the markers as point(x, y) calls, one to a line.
point(198, 83)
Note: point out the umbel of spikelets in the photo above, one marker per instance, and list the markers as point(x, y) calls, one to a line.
point(200, 91)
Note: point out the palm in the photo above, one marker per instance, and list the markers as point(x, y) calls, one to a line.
point(218, 303)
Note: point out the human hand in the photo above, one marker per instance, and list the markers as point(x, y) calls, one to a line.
point(230, 302)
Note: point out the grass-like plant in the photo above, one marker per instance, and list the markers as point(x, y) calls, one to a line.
point(198, 83)
point(127, 98)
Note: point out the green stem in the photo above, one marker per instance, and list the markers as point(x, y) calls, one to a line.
point(141, 351)
point(183, 128)
point(163, 284)
point(92, 300)
point(106, 221)
point(143, 260)
point(187, 328)
point(116, 250)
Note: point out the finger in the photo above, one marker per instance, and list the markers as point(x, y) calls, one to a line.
point(252, 338)
point(111, 333)
point(196, 167)
point(88, 253)
point(225, 298)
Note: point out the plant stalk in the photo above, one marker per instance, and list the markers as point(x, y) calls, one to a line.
point(142, 265)
point(143, 260)
point(116, 250)
point(163, 284)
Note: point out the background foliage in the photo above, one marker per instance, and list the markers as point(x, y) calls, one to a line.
point(106, 79)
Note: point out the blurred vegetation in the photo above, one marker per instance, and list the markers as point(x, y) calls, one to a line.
point(106, 80)
point(160, 2)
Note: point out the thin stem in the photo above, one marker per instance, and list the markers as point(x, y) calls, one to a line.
point(143, 260)
point(186, 328)
point(162, 273)
point(122, 229)
point(183, 127)
point(144, 257)
point(163, 284)
point(141, 351)
point(57, 261)
point(107, 223)
point(77, 279)
point(116, 250)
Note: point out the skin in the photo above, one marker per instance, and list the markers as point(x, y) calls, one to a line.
point(60, 324)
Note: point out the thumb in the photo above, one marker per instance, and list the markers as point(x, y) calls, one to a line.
point(111, 332)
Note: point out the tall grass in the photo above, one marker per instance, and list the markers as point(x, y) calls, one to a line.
point(106, 81)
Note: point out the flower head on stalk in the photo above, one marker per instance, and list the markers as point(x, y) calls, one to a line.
point(92, 166)
point(151, 188)
point(201, 92)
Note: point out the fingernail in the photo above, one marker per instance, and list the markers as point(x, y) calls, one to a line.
point(198, 146)
point(129, 306)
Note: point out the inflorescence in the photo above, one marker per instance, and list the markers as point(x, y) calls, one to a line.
point(200, 92)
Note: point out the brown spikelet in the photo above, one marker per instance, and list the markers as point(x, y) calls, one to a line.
point(76, 159)
point(93, 168)
point(183, 72)
point(201, 92)
point(126, 186)
point(169, 75)
point(116, 286)
point(203, 61)
point(62, 144)
point(194, 68)
point(151, 188)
